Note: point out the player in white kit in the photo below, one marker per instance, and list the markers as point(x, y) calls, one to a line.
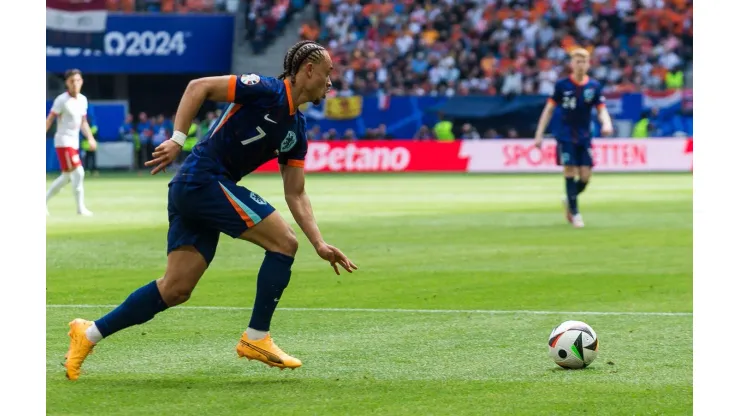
point(70, 112)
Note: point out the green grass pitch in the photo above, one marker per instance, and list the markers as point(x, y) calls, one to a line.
point(461, 280)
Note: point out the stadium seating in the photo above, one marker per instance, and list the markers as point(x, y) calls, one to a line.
point(501, 46)
point(170, 6)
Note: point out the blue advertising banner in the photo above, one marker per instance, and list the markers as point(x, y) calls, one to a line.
point(153, 44)
point(403, 116)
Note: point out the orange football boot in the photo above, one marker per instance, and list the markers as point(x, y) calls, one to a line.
point(79, 347)
point(266, 351)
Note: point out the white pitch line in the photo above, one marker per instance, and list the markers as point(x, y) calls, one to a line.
point(447, 311)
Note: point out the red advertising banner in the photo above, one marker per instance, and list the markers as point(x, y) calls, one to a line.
point(381, 156)
point(495, 156)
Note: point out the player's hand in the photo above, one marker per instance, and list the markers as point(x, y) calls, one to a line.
point(538, 142)
point(163, 155)
point(334, 255)
point(607, 131)
point(93, 144)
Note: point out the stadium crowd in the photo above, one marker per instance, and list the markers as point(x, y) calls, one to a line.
point(173, 6)
point(266, 20)
point(501, 46)
point(448, 47)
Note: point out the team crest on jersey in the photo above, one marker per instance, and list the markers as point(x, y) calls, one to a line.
point(250, 79)
point(588, 94)
point(256, 198)
point(288, 142)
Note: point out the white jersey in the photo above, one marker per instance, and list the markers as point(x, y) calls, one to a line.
point(69, 111)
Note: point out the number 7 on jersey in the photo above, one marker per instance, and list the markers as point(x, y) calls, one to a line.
point(255, 138)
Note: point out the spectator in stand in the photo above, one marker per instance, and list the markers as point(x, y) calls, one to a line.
point(206, 124)
point(513, 84)
point(330, 135)
point(266, 19)
point(127, 131)
point(168, 124)
point(424, 133)
point(501, 46)
point(314, 133)
point(350, 135)
point(160, 133)
point(642, 129)
point(370, 134)
point(382, 134)
point(145, 131)
point(310, 30)
point(492, 134)
point(443, 129)
point(469, 132)
point(512, 133)
point(170, 6)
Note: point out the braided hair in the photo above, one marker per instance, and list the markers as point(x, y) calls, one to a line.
point(297, 54)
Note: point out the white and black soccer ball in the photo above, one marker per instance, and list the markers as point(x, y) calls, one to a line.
point(573, 345)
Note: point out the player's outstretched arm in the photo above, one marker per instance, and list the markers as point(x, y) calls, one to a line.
point(606, 122)
point(545, 118)
point(218, 89)
point(300, 206)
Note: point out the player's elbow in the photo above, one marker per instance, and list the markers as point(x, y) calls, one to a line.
point(199, 87)
point(195, 85)
point(293, 195)
point(210, 88)
point(294, 189)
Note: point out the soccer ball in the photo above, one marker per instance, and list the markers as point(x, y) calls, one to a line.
point(573, 345)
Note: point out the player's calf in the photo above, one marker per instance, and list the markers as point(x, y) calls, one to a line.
point(571, 192)
point(584, 175)
point(281, 244)
point(185, 266)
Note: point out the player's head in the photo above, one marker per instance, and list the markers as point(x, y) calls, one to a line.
point(579, 61)
point(73, 81)
point(308, 65)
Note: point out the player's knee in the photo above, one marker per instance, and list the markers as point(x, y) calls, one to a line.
point(177, 295)
point(284, 242)
point(174, 291)
point(288, 245)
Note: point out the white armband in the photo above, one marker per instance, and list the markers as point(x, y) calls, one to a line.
point(179, 138)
